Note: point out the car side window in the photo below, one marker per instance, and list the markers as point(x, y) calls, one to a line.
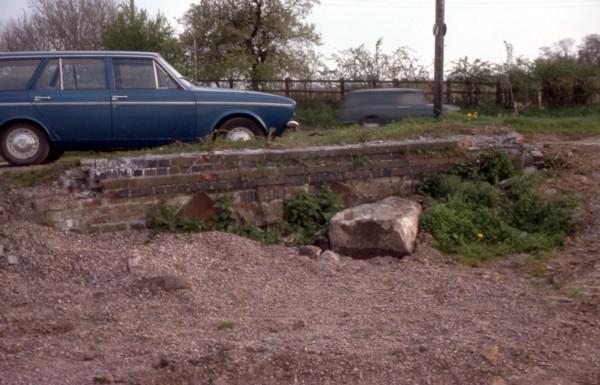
point(83, 74)
point(134, 74)
point(49, 79)
point(165, 81)
point(16, 74)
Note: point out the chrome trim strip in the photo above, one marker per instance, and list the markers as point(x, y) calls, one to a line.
point(72, 104)
point(157, 103)
point(15, 104)
point(155, 73)
point(245, 104)
point(60, 69)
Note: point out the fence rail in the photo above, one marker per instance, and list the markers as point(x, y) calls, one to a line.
point(459, 93)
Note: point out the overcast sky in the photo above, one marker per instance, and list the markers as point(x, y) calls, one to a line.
point(476, 28)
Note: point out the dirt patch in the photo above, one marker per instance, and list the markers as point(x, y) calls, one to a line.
point(73, 310)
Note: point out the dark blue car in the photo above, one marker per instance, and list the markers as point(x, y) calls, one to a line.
point(56, 101)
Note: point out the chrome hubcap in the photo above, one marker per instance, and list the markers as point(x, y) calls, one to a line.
point(22, 143)
point(239, 134)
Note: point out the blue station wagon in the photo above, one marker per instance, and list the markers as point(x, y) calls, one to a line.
point(51, 102)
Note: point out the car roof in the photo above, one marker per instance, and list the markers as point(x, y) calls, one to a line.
point(387, 90)
point(45, 54)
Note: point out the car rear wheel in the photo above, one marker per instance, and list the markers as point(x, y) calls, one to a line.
point(24, 144)
point(239, 130)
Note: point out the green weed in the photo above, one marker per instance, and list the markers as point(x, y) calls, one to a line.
point(473, 216)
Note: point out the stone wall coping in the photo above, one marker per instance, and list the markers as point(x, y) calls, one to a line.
point(134, 162)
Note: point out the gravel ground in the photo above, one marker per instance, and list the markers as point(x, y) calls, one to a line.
point(214, 308)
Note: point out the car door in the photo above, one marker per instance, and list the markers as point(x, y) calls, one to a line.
point(148, 104)
point(73, 100)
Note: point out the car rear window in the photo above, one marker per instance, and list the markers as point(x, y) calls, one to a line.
point(84, 74)
point(15, 74)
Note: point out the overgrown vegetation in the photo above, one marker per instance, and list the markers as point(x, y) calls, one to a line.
point(30, 177)
point(487, 209)
point(305, 217)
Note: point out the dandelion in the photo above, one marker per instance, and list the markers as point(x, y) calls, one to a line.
point(480, 236)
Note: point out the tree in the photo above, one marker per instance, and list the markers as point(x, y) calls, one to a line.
point(473, 74)
point(361, 64)
point(251, 39)
point(59, 25)
point(589, 51)
point(564, 49)
point(134, 30)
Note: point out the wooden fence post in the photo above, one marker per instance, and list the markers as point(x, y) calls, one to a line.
point(499, 96)
point(287, 87)
point(449, 91)
point(230, 83)
point(342, 87)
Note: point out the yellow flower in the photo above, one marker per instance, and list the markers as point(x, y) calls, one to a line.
point(470, 115)
point(480, 236)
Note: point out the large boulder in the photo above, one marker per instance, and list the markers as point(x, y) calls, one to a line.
point(388, 227)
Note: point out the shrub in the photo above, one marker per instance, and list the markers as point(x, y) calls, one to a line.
point(308, 214)
point(476, 219)
point(305, 216)
point(166, 218)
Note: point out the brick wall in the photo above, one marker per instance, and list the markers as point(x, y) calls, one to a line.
point(108, 195)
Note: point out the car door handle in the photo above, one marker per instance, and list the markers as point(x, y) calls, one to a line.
point(41, 98)
point(116, 98)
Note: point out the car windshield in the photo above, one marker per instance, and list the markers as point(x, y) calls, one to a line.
point(186, 81)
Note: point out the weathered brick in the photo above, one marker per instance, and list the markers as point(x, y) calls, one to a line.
point(363, 174)
point(162, 171)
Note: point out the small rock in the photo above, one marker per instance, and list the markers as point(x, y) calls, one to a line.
point(12, 259)
point(173, 283)
point(298, 325)
point(498, 381)
point(491, 353)
point(134, 263)
point(103, 379)
point(309, 251)
point(162, 363)
point(329, 255)
point(537, 154)
point(220, 381)
point(1, 250)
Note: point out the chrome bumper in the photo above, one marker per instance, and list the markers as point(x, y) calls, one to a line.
point(292, 125)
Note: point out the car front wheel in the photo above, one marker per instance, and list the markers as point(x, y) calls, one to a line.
point(24, 144)
point(239, 130)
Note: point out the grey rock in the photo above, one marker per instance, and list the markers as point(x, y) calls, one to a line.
point(537, 154)
point(309, 251)
point(329, 255)
point(12, 259)
point(385, 228)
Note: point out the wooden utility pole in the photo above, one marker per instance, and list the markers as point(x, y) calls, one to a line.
point(132, 4)
point(439, 30)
